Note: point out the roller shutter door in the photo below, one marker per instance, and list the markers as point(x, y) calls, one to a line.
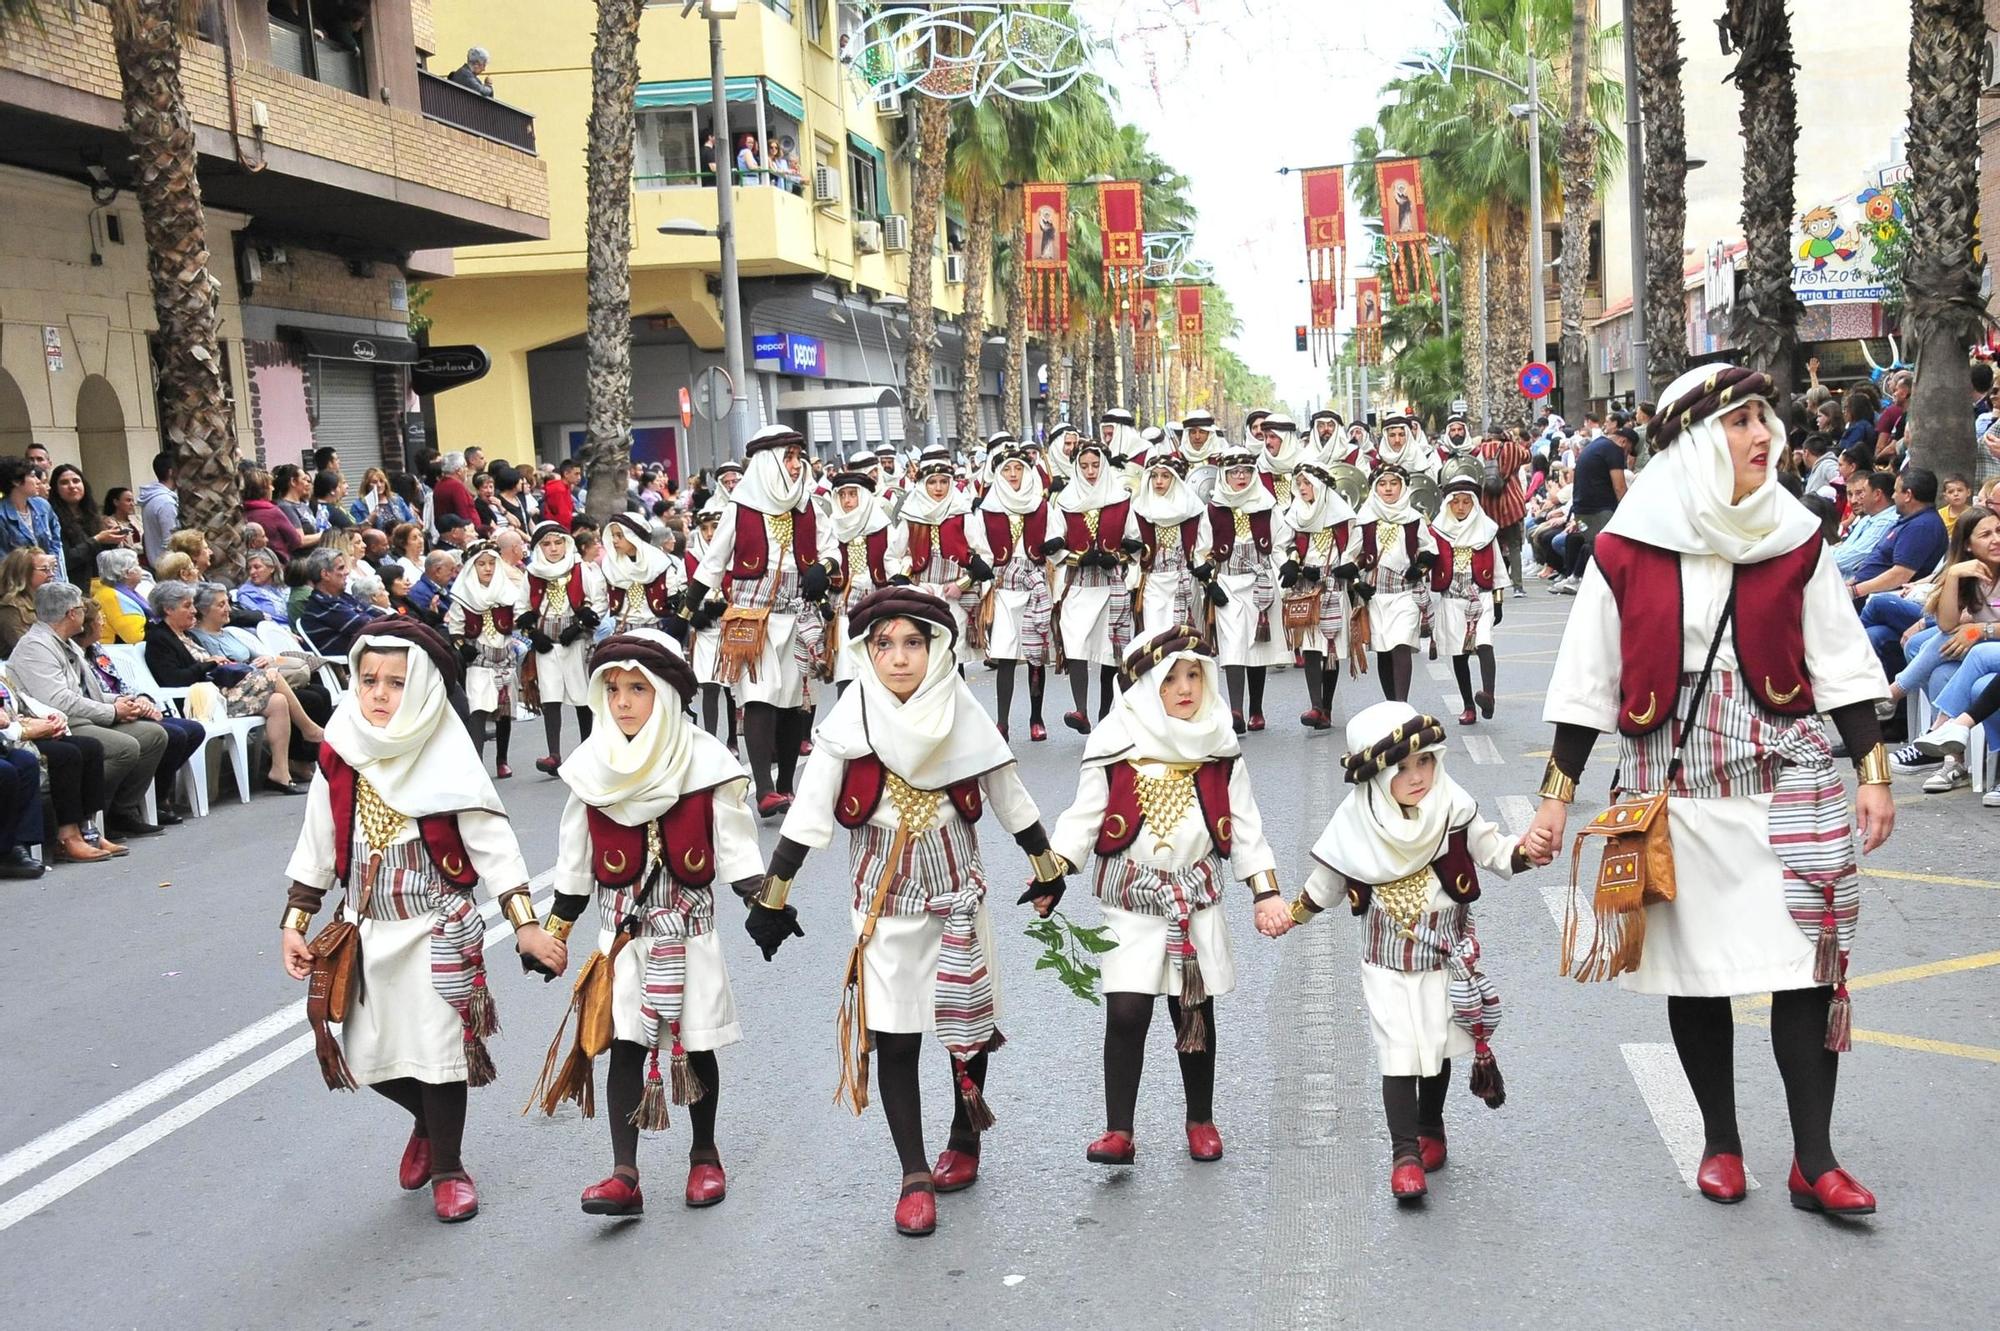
point(346, 418)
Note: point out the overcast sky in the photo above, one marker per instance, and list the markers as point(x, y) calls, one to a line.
point(1231, 90)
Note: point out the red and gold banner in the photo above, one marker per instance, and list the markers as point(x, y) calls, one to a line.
point(1147, 345)
point(1045, 221)
point(1121, 226)
point(1405, 229)
point(1368, 319)
point(1324, 190)
point(1187, 301)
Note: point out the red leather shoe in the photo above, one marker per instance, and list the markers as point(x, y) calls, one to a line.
point(1314, 719)
point(1836, 1192)
point(1431, 1150)
point(1485, 703)
point(1113, 1148)
point(1236, 722)
point(415, 1171)
point(616, 1195)
point(1037, 732)
point(771, 805)
point(1204, 1142)
point(454, 1199)
point(1256, 720)
point(1077, 721)
point(548, 765)
point(1720, 1178)
point(955, 1171)
point(1406, 1181)
point(916, 1213)
point(502, 772)
point(1467, 717)
point(707, 1184)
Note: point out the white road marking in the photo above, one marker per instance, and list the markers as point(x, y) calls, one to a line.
point(1439, 670)
point(1519, 811)
point(1483, 750)
point(1657, 1069)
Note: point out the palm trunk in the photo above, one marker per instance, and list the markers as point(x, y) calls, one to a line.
point(1658, 39)
point(1942, 281)
point(187, 299)
point(614, 83)
point(1577, 160)
point(980, 218)
point(1508, 333)
point(1017, 336)
point(1767, 316)
point(1107, 374)
point(1062, 377)
point(926, 197)
point(1472, 320)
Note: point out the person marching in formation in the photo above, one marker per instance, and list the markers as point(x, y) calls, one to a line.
point(1360, 447)
point(1164, 804)
point(907, 762)
point(1094, 608)
point(1009, 534)
point(765, 560)
point(642, 580)
point(1396, 553)
point(1282, 453)
point(559, 610)
point(868, 547)
point(1470, 580)
point(1244, 531)
point(402, 818)
point(1173, 533)
point(942, 561)
point(718, 704)
point(1404, 446)
point(1061, 456)
point(1458, 442)
point(1319, 569)
point(1198, 448)
point(1325, 446)
point(657, 817)
point(1404, 849)
point(1710, 631)
point(479, 616)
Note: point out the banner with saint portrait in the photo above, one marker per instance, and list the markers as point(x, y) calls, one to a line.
point(1324, 191)
point(1399, 182)
point(1187, 323)
point(1045, 221)
point(1147, 345)
point(1121, 226)
point(1368, 319)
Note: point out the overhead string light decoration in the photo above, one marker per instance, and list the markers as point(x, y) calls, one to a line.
point(1121, 226)
point(1399, 182)
point(1368, 319)
point(966, 52)
point(1324, 193)
point(1045, 222)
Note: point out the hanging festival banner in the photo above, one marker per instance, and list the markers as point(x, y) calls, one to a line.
point(1124, 244)
point(1405, 230)
point(1324, 190)
point(1146, 344)
point(1045, 210)
point(1187, 300)
point(1368, 319)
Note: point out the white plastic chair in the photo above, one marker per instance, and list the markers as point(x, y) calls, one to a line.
point(148, 804)
point(233, 731)
point(282, 639)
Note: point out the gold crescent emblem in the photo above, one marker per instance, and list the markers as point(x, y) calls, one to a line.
point(1645, 718)
point(694, 861)
point(1781, 698)
point(1461, 883)
point(1115, 825)
point(1222, 826)
point(453, 865)
point(615, 862)
point(851, 807)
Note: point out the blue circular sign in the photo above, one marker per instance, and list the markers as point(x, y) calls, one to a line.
point(1536, 379)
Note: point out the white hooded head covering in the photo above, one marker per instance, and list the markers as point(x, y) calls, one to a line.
point(646, 562)
point(1251, 497)
point(1376, 509)
point(765, 486)
point(421, 763)
point(1138, 727)
point(869, 516)
point(1199, 454)
point(1018, 500)
point(1327, 508)
point(1179, 504)
point(1080, 495)
point(1291, 449)
point(481, 597)
point(1371, 838)
point(1472, 531)
point(540, 565)
point(636, 779)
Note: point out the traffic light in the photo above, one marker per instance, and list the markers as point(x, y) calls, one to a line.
point(1299, 333)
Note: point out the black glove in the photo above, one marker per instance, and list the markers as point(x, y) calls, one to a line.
point(1053, 888)
point(540, 643)
point(588, 618)
point(1131, 545)
point(1363, 591)
point(979, 570)
point(467, 652)
point(705, 614)
point(1054, 546)
point(1499, 610)
point(1288, 572)
point(1417, 576)
point(1203, 572)
point(529, 622)
point(768, 928)
point(1105, 560)
point(572, 633)
point(1425, 561)
point(692, 597)
point(814, 582)
point(901, 580)
point(1217, 597)
point(1310, 572)
point(1347, 572)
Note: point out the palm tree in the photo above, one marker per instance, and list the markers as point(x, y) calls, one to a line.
point(1767, 310)
point(1657, 38)
point(1577, 161)
point(607, 339)
point(195, 417)
point(1939, 274)
point(930, 133)
point(977, 179)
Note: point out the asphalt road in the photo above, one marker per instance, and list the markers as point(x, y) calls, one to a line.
point(169, 1157)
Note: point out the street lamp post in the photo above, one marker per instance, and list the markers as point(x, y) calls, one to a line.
point(1636, 203)
point(1538, 319)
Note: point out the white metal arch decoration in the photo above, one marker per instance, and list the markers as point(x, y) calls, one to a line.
point(968, 52)
point(1168, 259)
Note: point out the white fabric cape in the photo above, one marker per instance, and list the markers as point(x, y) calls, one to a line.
point(939, 737)
point(1373, 839)
point(1139, 729)
point(636, 780)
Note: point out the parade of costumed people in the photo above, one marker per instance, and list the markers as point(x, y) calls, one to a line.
point(871, 550)
point(1404, 849)
point(1283, 450)
point(766, 560)
point(658, 818)
point(1199, 443)
point(479, 615)
point(1009, 533)
point(1172, 524)
point(940, 558)
point(1711, 632)
point(559, 609)
point(1314, 581)
point(908, 762)
point(1093, 602)
point(1395, 556)
point(1245, 531)
point(642, 581)
point(1470, 585)
point(403, 820)
point(1164, 809)
point(719, 712)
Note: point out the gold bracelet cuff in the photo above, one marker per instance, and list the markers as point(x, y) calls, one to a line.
point(1874, 766)
point(1303, 909)
point(518, 909)
point(557, 927)
point(1557, 785)
point(1263, 883)
point(776, 890)
point(1048, 866)
point(296, 917)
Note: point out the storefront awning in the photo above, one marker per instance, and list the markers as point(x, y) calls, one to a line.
point(368, 347)
point(697, 92)
point(837, 399)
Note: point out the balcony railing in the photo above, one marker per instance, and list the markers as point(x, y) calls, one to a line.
point(449, 104)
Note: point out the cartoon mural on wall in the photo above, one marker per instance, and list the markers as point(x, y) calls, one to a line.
point(1823, 234)
point(1881, 221)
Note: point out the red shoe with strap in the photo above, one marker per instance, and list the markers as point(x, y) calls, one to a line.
point(1315, 719)
point(548, 765)
point(1204, 1142)
point(415, 1170)
point(454, 1199)
point(707, 1184)
point(771, 805)
point(1406, 1181)
point(1721, 1178)
point(1256, 720)
point(955, 1171)
point(916, 1210)
point(1037, 732)
point(1836, 1192)
point(616, 1195)
point(1113, 1148)
point(1077, 721)
point(1431, 1150)
point(1467, 717)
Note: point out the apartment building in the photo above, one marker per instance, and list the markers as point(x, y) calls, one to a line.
point(337, 171)
point(822, 240)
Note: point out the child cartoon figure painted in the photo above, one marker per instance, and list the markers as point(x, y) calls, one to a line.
point(1823, 233)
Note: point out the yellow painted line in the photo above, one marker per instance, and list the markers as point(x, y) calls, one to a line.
point(1948, 880)
point(1914, 1043)
point(1926, 971)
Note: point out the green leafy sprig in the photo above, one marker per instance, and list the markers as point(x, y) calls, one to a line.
point(1070, 950)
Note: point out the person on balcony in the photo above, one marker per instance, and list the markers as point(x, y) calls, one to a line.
point(472, 74)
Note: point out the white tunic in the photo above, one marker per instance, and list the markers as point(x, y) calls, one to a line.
point(1728, 931)
point(1084, 615)
point(1321, 553)
point(1009, 602)
point(1452, 611)
point(563, 674)
point(779, 681)
point(1394, 617)
point(1236, 621)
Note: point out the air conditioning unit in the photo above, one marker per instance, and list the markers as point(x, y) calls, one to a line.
point(826, 185)
point(889, 104)
point(895, 232)
point(954, 269)
point(868, 237)
point(1989, 67)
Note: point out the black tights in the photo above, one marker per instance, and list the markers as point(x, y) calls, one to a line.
point(1079, 687)
point(1234, 677)
point(439, 1109)
point(1395, 667)
point(903, 1103)
point(1414, 1107)
point(713, 697)
point(500, 727)
point(1705, 1037)
point(1003, 691)
point(1126, 1019)
point(773, 735)
point(1320, 682)
point(626, 1084)
point(1461, 666)
point(552, 726)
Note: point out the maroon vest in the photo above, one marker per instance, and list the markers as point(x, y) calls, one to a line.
point(439, 831)
point(1110, 529)
point(1222, 531)
point(538, 587)
point(503, 619)
point(1454, 866)
point(861, 790)
point(1482, 565)
point(1000, 533)
point(1122, 814)
point(656, 597)
point(1769, 629)
point(753, 541)
point(950, 538)
point(1148, 537)
point(1302, 541)
point(1370, 555)
point(877, 545)
point(687, 838)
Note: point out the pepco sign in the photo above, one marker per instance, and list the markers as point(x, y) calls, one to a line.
point(790, 353)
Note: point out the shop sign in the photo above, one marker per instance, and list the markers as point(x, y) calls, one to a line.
point(1838, 247)
point(789, 353)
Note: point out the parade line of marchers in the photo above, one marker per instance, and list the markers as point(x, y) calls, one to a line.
point(1710, 635)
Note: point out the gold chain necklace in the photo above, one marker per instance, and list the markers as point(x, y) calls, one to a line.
point(555, 600)
point(380, 824)
point(857, 558)
point(1164, 535)
point(1406, 899)
point(1090, 518)
point(1163, 801)
point(781, 532)
point(1242, 525)
point(1461, 560)
point(655, 853)
point(915, 809)
point(1016, 524)
point(1322, 544)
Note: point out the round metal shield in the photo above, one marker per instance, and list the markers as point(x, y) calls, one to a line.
point(1351, 481)
point(1425, 496)
point(1471, 467)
